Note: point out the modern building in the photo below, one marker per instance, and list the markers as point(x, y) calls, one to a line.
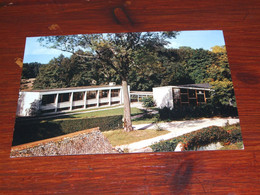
point(181, 95)
point(49, 101)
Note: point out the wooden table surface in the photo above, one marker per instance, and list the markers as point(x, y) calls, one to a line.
point(220, 172)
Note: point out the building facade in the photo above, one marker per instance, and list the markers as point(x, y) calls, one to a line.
point(182, 95)
point(51, 101)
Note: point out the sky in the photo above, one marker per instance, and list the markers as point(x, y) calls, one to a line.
point(205, 39)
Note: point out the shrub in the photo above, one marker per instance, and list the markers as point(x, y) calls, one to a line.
point(204, 137)
point(104, 123)
point(166, 146)
point(235, 135)
point(189, 112)
point(148, 102)
point(28, 131)
point(194, 140)
point(186, 112)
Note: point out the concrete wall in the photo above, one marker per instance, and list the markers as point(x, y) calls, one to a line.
point(28, 103)
point(163, 97)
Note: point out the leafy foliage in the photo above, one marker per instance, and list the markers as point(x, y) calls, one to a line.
point(67, 72)
point(189, 112)
point(203, 137)
point(30, 70)
point(148, 102)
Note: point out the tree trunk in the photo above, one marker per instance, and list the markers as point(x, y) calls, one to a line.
point(127, 110)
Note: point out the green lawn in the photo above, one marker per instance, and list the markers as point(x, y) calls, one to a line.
point(100, 113)
point(146, 119)
point(120, 137)
point(95, 108)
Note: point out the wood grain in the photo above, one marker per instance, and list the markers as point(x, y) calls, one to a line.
point(219, 172)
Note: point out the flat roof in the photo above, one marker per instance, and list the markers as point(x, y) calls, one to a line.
point(141, 92)
point(73, 88)
point(204, 86)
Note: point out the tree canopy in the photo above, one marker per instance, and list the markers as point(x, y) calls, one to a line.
point(30, 70)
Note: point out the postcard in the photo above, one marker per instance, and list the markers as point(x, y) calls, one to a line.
point(126, 93)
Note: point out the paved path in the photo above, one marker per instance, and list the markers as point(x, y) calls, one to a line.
point(176, 129)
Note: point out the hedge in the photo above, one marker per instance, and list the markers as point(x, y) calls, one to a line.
point(189, 112)
point(200, 138)
point(28, 131)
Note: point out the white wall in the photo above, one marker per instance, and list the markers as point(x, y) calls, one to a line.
point(28, 103)
point(163, 97)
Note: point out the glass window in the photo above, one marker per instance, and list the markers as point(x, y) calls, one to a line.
point(200, 92)
point(103, 93)
point(64, 97)
point(78, 96)
point(48, 99)
point(184, 98)
point(115, 92)
point(201, 98)
point(184, 91)
point(91, 94)
point(192, 93)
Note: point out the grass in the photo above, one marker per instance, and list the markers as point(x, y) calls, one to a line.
point(235, 146)
point(120, 137)
point(146, 118)
point(95, 108)
point(101, 113)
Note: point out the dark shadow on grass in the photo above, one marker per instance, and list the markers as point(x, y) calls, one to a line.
point(146, 127)
point(30, 131)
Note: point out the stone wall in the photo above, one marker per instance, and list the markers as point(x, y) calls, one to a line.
point(90, 141)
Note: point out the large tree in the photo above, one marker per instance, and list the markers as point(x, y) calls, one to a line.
point(220, 78)
point(116, 51)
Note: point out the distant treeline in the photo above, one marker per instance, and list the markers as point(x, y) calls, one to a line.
point(31, 70)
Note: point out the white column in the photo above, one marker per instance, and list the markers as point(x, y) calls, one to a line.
point(121, 94)
point(98, 98)
point(85, 100)
point(129, 93)
point(109, 94)
point(71, 100)
point(56, 102)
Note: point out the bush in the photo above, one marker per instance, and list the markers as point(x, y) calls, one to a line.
point(189, 112)
point(186, 112)
point(148, 102)
point(235, 134)
point(205, 136)
point(28, 131)
point(104, 123)
point(166, 146)
point(194, 140)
